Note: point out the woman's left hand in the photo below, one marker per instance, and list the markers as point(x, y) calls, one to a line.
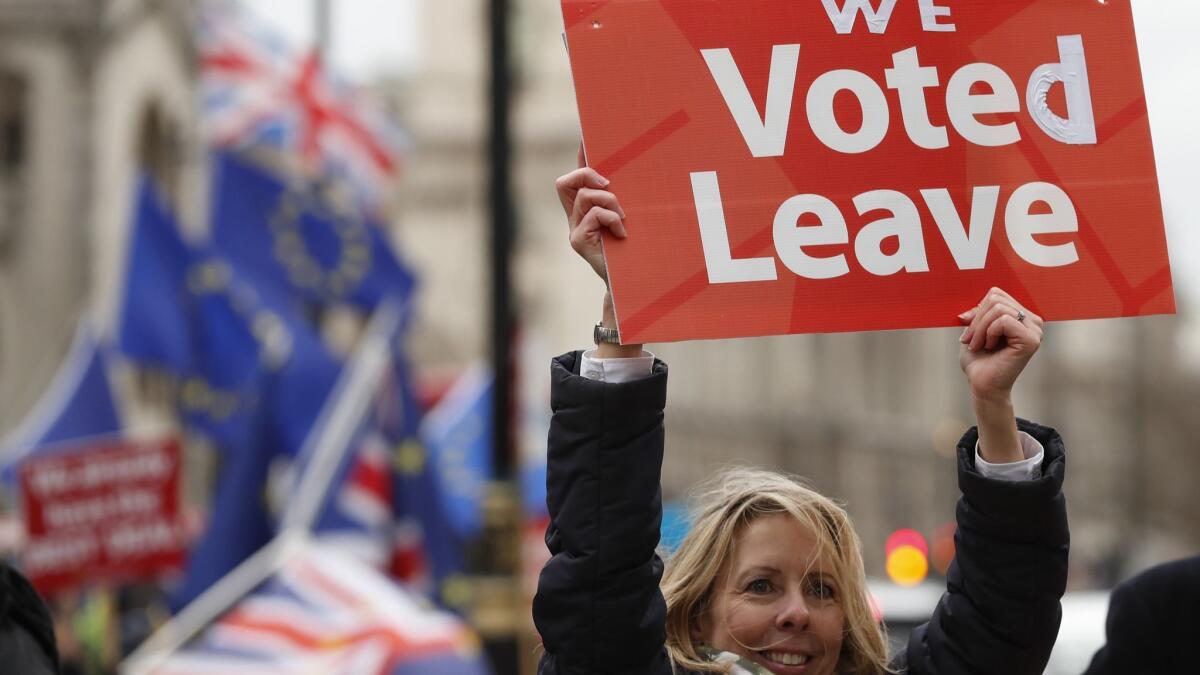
point(1000, 338)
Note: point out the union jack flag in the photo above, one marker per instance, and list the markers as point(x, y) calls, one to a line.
point(385, 505)
point(359, 520)
point(260, 92)
point(328, 613)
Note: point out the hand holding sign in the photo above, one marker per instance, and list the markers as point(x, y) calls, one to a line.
point(590, 211)
point(1000, 338)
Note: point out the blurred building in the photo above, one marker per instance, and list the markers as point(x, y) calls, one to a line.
point(90, 92)
point(871, 418)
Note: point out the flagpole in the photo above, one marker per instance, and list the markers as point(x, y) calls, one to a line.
point(323, 30)
point(502, 645)
point(213, 602)
point(329, 440)
point(324, 448)
point(500, 165)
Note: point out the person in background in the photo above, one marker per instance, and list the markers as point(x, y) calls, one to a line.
point(1153, 623)
point(27, 644)
point(771, 579)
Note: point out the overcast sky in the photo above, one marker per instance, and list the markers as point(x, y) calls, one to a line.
point(370, 37)
point(379, 37)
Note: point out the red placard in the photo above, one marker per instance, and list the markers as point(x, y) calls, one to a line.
point(793, 166)
point(106, 511)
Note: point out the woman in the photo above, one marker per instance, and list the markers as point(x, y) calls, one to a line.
point(770, 579)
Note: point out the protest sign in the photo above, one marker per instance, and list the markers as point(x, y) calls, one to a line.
point(791, 166)
point(102, 511)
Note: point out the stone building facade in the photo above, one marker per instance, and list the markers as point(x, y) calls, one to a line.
point(90, 94)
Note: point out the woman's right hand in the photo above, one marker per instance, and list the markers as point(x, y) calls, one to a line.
point(590, 211)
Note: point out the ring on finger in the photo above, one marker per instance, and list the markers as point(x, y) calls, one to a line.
point(1020, 316)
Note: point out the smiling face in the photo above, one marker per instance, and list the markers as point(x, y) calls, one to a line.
point(776, 602)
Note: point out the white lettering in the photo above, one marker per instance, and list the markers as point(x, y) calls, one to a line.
point(904, 224)
point(1080, 126)
point(714, 237)
point(1023, 225)
point(929, 17)
point(969, 249)
point(128, 540)
point(964, 107)
point(791, 237)
point(47, 556)
point(910, 80)
point(843, 19)
point(765, 137)
point(824, 122)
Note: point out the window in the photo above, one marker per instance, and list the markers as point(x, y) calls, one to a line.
point(12, 153)
point(158, 151)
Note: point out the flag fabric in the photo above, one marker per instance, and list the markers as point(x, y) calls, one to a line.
point(458, 435)
point(327, 612)
point(78, 404)
point(358, 517)
point(429, 553)
point(303, 385)
point(191, 312)
point(153, 327)
point(386, 504)
point(183, 312)
point(251, 378)
point(355, 511)
point(296, 246)
point(241, 519)
point(234, 346)
point(258, 91)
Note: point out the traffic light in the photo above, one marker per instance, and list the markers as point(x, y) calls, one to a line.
point(907, 557)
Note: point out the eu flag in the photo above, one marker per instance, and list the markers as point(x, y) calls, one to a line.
point(239, 520)
point(234, 341)
point(458, 434)
point(185, 311)
point(429, 540)
point(273, 411)
point(78, 404)
point(295, 247)
point(153, 327)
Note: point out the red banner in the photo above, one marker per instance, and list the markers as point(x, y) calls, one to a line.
point(106, 511)
point(792, 166)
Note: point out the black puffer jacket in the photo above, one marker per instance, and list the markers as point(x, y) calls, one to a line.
point(598, 607)
point(1153, 621)
point(27, 644)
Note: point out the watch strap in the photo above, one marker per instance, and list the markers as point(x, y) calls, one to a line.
point(603, 334)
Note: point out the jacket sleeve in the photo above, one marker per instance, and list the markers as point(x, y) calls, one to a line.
point(1000, 612)
point(598, 606)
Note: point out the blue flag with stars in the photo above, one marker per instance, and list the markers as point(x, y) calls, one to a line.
point(458, 434)
point(154, 324)
point(288, 398)
point(429, 539)
point(295, 247)
point(78, 404)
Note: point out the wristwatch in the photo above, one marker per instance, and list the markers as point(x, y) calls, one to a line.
point(602, 334)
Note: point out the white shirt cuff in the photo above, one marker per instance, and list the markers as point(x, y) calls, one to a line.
point(1029, 468)
point(616, 370)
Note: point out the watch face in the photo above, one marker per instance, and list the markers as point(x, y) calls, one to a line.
point(602, 334)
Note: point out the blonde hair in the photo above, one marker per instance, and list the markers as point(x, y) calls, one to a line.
point(723, 508)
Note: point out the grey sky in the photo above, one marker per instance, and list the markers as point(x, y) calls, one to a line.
point(378, 37)
point(370, 37)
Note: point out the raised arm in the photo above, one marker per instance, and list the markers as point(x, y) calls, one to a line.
point(598, 606)
point(1001, 612)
